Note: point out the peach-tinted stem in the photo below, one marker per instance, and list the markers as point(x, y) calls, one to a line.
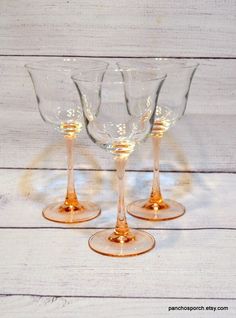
point(121, 233)
point(156, 196)
point(121, 223)
point(71, 201)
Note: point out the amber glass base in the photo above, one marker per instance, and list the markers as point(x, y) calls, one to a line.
point(58, 212)
point(105, 242)
point(167, 210)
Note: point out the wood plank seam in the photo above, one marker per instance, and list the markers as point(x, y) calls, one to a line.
point(117, 56)
point(113, 170)
point(116, 297)
point(103, 228)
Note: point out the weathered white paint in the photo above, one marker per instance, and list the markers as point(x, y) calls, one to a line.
point(51, 307)
point(185, 263)
point(118, 28)
point(208, 198)
point(59, 262)
point(213, 89)
point(196, 143)
point(204, 140)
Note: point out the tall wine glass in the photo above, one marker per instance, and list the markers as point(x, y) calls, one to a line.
point(171, 106)
point(59, 106)
point(119, 114)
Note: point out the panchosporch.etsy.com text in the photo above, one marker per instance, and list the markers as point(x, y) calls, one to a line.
point(197, 308)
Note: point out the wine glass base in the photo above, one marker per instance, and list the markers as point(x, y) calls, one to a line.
point(55, 212)
point(142, 243)
point(172, 210)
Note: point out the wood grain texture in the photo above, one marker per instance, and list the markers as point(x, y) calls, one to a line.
point(197, 143)
point(194, 256)
point(208, 198)
point(212, 92)
point(59, 262)
point(51, 307)
point(111, 28)
point(203, 140)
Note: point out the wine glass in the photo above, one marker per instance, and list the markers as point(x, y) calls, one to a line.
point(119, 113)
point(59, 106)
point(170, 108)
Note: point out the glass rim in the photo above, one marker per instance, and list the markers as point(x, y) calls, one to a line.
point(169, 64)
point(184, 64)
point(69, 64)
point(75, 77)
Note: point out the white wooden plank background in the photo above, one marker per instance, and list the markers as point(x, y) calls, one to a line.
point(23, 194)
point(213, 89)
point(118, 28)
point(195, 144)
point(84, 307)
point(195, 255)
point(60, 262)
